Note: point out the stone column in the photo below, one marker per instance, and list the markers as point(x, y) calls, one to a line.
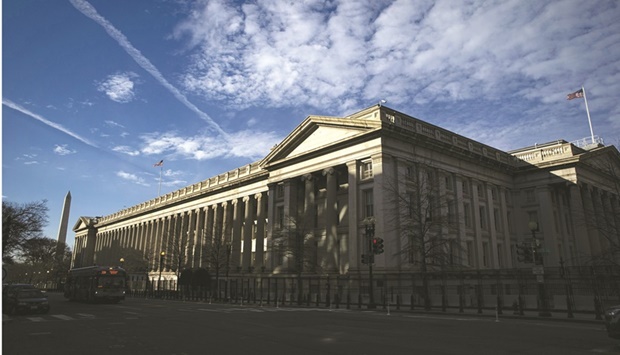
point(248, 223)
point(546, 233)
point(494, 252)
point(235, 257)
point(332, 247)
point(475, 204)
point(200, 236)
point(271, 219)
point(260, 231)
point(355, 239)
point(191, 238)
point(588, 218)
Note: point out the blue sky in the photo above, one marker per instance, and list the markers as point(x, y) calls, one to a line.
point(96, 92)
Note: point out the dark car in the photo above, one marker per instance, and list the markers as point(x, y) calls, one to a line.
point(612, 321)
point(27, 300)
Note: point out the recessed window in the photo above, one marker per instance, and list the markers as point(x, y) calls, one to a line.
point(366, 169)
point(368, 203)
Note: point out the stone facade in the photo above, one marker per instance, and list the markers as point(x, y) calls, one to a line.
point(330, 174)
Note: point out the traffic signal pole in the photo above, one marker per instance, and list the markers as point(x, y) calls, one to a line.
point(370, 232)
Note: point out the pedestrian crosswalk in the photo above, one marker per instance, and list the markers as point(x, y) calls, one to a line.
point(57, 317)
point(128, 315)
point(51, 317)
point(268, 309)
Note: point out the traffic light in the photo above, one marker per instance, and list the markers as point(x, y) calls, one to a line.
point(377, 245)
point(537, 250)
point(524, 253)
point(368, 258)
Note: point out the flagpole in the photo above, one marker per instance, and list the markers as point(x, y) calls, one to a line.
point(161, 168)
point(588, 112)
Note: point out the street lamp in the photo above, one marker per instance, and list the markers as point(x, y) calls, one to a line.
point(122, 261)
point(161, 267)
point(538, 260)
point(369, 224)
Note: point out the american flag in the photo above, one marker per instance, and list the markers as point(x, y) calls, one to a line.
point(575, 95)
point(160, 163)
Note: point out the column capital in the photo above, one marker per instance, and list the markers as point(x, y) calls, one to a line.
point(307, 177)
point(329, 171)
point(258, 196)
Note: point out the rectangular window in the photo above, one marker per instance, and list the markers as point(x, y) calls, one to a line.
point(530, 196)
point(467, 214)
point(451, 212)
point(448, 180)
point(500, 255)
point(480, 191)
point(485, 254)
point(567, 221)
point(465, 187)
point(483, 217)
point(409, 172)
point(366, 169)
point(496, 220)
point(280, 216)
point(280, 191)
point(368, 203)
point(410, 204)
point(470, 253)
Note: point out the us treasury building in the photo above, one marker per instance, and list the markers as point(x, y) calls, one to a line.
point(378, 206)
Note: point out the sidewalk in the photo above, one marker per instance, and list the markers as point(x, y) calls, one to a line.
point(491, 313)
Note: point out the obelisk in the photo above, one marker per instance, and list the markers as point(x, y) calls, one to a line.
point(64, 220)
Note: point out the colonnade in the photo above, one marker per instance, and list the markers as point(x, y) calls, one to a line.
point(238, 230)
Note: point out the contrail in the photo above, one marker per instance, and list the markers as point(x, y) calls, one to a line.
point(88, 10)
point(16, 107)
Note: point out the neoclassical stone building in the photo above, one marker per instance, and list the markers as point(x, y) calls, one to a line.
point(331, 174)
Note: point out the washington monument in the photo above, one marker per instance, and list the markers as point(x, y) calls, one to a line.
point(64, 221)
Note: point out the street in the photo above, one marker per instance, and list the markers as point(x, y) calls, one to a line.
point(152, 326)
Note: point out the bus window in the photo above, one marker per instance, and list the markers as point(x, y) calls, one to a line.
point(112, 282)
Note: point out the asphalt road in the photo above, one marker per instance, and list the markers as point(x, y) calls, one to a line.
point(147, 326)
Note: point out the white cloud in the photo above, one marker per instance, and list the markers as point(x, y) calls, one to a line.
point(247, 144)
point(119, 87)
point(113, 124)
point(63, 150)
point(126, 150)
point(132, 178)
point(344, 54)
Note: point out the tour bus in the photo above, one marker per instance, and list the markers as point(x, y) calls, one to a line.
point(96, 284)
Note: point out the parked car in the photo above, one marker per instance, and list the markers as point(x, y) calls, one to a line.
point(24, 299)
point(9, 288)
point(612, 321)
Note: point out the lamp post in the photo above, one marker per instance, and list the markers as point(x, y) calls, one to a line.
point(369, 224)
point(538, 260)
point(121, 261)
point(161, 267)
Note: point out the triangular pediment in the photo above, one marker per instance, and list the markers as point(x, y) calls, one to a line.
point(316, 133)
point(82, 223)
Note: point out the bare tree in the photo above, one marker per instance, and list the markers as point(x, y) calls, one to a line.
point(216, 254)
point(293, 241)
point(21, 222)
point(175, 245)
point(425, 213)
point(604, 220)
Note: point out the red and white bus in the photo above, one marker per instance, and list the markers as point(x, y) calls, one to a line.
point(96, 284)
